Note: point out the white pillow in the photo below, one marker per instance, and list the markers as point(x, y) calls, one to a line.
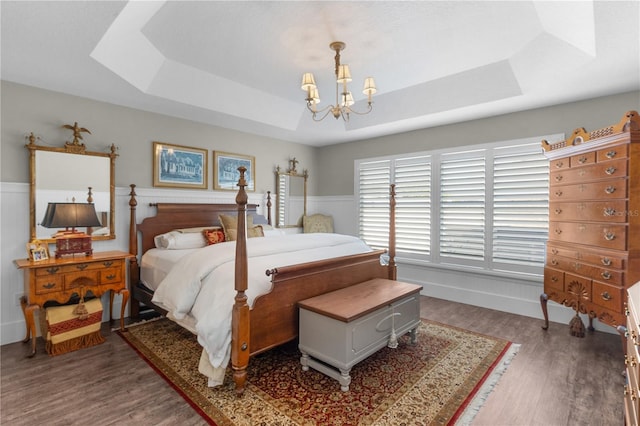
point(270, 231)
point(176, 240)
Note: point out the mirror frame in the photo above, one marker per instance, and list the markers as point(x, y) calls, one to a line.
point(77, 149)
point(290, 173)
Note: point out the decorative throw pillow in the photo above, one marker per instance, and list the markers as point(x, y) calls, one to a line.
point(230, 226)
point(175, 240)
point(213, 236)
point(255, 231)
point(317, 223)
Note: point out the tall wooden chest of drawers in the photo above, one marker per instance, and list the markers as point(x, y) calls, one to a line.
point(593, 248)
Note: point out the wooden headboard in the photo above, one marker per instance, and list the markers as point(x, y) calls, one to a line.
point(170, 216)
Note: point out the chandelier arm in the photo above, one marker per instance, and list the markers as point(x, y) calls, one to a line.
point(324, 111)
point(369, 109)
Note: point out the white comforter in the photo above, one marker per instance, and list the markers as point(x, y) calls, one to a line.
point(201, 285)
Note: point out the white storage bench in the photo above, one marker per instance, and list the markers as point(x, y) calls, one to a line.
point(343, 327)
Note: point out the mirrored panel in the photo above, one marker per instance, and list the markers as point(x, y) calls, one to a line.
point(291, 198)
point(71, 174)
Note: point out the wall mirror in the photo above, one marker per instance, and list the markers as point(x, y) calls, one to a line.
point(71, 174)
point(291, 196)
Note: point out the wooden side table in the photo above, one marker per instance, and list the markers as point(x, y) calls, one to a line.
point(59, 279)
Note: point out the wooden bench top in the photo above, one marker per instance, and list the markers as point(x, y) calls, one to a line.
point(352, 302)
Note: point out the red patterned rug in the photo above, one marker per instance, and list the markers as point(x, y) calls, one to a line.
point(443, 379)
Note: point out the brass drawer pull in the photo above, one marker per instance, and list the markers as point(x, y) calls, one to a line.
point(610, 189)
point(53, 270)
point(49, 286)
point(558, 178)
point(111, 276)
point(610, 170)
point(558, 211)
point(606, 296)
point(608, 211)
point(609, 236)
point(554, 251)
point(582, 160)
point(108, 263)
point(554, 279)
point(554, 262)
point(558, 231)
point(558, 193)
point(611, 154)
point(606, 261)
point(559, 164)
point(82, 267)
point(606, 275)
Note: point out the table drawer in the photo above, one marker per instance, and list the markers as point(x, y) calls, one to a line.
point(112, 275)
point(49, 283)
point(599, 211)
point(75, 280)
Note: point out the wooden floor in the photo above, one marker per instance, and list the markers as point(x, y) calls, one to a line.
point(555, 379)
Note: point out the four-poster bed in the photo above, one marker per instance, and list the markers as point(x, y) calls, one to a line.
point(271, 318)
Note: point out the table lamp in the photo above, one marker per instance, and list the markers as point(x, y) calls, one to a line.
point(70, 216)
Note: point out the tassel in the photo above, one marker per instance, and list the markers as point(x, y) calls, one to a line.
point(576, 326)
point(81, 310)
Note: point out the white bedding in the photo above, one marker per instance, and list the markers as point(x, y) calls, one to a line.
point(156, 264)
point(199, 288)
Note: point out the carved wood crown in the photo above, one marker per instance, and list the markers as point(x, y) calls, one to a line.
point(629, 122)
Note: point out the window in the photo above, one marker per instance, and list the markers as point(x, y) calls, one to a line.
point(484, 207)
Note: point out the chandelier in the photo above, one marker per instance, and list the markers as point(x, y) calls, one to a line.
point(344, 98)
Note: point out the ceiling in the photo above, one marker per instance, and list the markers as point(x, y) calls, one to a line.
point(238, 64)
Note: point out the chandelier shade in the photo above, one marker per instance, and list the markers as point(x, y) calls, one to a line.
point(344, 97)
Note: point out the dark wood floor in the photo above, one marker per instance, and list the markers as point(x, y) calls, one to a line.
point(555, 379)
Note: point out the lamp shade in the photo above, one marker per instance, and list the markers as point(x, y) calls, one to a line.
point(344, 74)
point(308, 82)
point(70, 215)
point(369, 86)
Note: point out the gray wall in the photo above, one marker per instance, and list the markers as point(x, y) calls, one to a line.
point(26, 109)
point(337, 161)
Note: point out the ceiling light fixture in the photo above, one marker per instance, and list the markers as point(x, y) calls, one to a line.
point(344, 98)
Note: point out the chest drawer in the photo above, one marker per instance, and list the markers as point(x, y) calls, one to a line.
point(608, 296)
point(583, 159)
point(559, 164)
point(553, 280)
point(593, 234)
point(606, 170)
point(611, 276)
point(594, 257)
point(605, 190)
point(599, 211)
point(612, 153)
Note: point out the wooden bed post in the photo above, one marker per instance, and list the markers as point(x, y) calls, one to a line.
point(134, 269)
point(269, 208)
point(392, 232)
point(240, 318)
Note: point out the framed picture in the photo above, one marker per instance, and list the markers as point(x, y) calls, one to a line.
point(37, 251)
point(226, 174)
point(179, 166)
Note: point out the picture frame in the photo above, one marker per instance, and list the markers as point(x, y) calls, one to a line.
point(37, 251)
point(225, 171)
point(178, 166)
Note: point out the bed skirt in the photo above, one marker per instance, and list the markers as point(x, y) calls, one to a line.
point(72, 327)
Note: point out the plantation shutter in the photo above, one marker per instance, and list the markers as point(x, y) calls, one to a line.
point(520, 205)
point(373, 181)
point(412, 177)
point(462, 205)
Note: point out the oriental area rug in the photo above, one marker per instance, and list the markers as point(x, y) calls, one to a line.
point(440, 380)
